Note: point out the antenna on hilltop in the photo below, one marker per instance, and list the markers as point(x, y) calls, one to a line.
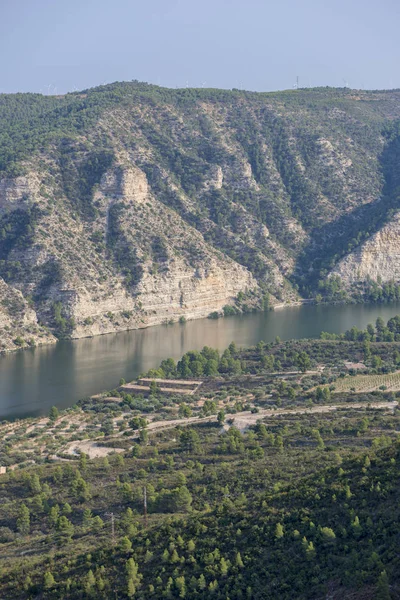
point(296, 85)
point(112, 519)
point(346, 83)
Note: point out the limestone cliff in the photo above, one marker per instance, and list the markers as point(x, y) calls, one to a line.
point(19, 326)
point(378, 258)
point(62, 267)
point(130, 205)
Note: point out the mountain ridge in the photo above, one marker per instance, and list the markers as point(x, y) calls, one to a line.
point(129, 205)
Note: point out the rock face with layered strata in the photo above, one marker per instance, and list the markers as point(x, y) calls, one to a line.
point(137, 206)
point(94, 294)
point(377, 259)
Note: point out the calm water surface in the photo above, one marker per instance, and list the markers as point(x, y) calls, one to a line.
point(31, 381)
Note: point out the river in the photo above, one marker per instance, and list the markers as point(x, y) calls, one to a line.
point(33, 380)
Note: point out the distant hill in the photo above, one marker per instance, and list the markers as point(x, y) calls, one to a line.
point(129, 204)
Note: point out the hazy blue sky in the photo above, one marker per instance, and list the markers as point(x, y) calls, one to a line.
point(254, 44)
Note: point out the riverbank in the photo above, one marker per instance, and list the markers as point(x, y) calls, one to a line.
point(51, 339)
point(102, 425)
point(63, 373)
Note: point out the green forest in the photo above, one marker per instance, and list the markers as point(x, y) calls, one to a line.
point(268, 482)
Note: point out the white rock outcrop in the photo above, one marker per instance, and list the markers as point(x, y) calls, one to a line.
point(378, 257)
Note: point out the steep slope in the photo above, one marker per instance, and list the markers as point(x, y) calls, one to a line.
point(122, 269)
point(378, 258)
point(18, 321)
point(130, 205)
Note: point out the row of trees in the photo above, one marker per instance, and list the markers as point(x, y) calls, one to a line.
point(207, 362)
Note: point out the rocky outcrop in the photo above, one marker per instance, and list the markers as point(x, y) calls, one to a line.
point(177, 287)
point(18, 193)
point(377, 259)
point(182, 292)
point(19, 326)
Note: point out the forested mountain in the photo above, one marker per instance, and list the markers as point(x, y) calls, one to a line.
point(130, 204)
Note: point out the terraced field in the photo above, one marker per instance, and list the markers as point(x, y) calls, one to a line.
point(369, 383)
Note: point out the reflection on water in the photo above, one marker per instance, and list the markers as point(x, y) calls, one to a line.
point(33, 380)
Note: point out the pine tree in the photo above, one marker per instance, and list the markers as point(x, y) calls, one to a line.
point(53, 413)
point(34, 484)
point(310, 551)
point(382, 588)
point(131, 591)
point(132, 569)
point(65, 529)
point(125, 545)
point(221, 417)
point(133, 576)
point(67, 510)
point(54, 515)
point(213, 585)
point(223, 566)
point(239, 561)
point(89, 582)
point(148, 556)
point(356, 526)
point(168, 587)
point(165, 556)
point(97, 524)
point(128, 523)
point(48, 580)
point(100, 583)
point(58, 475)
point(27, 583)
point(181, 587)
point(87, 517)
point(202, 582)
point(279, 531)
point(174, 558)
point(327, 534)
point(83, 462)
point(23, 520)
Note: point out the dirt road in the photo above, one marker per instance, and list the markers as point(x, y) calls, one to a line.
point(242, 421)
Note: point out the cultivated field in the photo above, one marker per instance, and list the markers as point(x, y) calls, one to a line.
point(369, 383)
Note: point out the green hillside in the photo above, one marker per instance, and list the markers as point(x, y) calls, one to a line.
point(269, 482)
